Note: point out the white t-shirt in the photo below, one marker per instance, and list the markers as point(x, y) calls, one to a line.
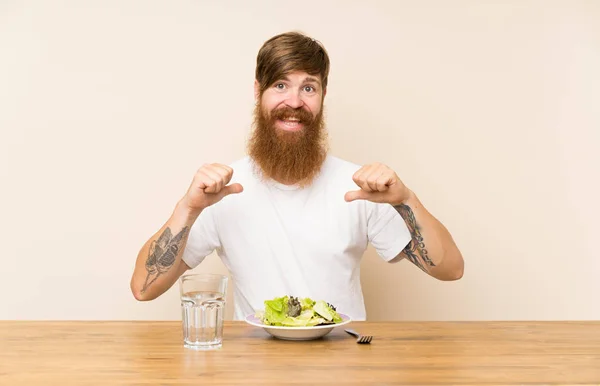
point(281, 240)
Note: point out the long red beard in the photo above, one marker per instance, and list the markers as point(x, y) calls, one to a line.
point(288, 157)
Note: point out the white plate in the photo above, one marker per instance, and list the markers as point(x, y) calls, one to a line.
point(297, 333)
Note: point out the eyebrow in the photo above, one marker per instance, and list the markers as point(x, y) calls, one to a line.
point(308, 79)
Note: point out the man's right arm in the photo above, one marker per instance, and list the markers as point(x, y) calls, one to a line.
point(159, 263)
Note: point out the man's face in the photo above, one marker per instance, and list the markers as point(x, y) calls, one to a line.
point(289, 139)
point(293, 101)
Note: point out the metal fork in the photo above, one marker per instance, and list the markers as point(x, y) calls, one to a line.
point(362, 339)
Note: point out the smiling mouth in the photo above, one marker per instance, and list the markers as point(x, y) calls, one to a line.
point(290, 124)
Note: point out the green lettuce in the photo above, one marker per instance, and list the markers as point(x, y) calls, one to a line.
point(312, 313)
point(275, 311)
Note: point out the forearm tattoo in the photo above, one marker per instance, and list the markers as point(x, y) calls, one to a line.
point(162, 254)
point(415, 251)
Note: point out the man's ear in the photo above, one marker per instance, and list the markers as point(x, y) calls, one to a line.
point(324, 92)
point(256, 90)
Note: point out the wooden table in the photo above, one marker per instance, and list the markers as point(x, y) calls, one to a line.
point(151, 353)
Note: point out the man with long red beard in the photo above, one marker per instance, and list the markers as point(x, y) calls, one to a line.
point(290, 219)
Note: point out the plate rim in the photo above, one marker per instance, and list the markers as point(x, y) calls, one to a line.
point(346, 319)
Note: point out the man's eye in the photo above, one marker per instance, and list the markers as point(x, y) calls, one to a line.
point(280, 86)
point(309, 88)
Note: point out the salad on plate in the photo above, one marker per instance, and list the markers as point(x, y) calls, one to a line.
point(291, 311)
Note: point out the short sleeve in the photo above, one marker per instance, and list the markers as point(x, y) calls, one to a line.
point(203, 239)
point(387, 231)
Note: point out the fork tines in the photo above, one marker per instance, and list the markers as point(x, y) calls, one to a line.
point(365, 339)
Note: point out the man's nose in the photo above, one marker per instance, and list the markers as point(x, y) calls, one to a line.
point(294, 101)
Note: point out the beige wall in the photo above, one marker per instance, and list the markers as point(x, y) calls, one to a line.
point(489, 111)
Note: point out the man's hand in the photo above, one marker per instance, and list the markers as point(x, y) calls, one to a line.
point(209, 186)
point(378, 183)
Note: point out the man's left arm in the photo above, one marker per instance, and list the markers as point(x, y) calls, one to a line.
point(431, 248)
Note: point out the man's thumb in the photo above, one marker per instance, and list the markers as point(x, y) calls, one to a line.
point(232, 189)
point(356, 195)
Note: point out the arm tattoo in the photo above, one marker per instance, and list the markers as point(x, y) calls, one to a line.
point(162, 254)
point(415, 250)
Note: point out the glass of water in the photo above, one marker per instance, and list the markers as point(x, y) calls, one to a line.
point(202, 309)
